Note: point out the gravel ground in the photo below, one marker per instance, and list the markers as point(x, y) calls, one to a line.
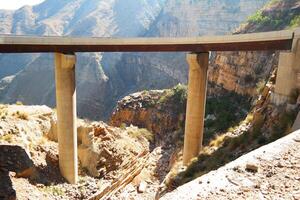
point(270, 172)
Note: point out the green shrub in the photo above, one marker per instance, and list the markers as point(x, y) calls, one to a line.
point(19, 103)
point(175, 96)
point(258, 18)
point(123, 126)
point(260, 86)
point(141, 132)
point(54, 190)
point(228, 110)
point(295, 22)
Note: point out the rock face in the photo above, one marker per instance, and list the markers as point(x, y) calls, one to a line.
point(103, 149)
point(29, 164)
point(242, 71)
point(163, 112)
point(146, 109)
point(102, 79)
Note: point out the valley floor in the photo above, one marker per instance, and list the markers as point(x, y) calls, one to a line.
point(156, 169)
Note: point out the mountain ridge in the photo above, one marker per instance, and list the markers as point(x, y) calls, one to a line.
point(100, 77)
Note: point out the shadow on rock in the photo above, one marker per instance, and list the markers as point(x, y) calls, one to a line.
point(14, 158)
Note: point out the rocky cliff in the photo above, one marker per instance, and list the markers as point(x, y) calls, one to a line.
point(245, 72)
point(163, 113)
point(108, 157)
point(102, 79)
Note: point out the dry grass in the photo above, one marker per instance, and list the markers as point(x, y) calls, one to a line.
point(56, 191)
point(140, 132)
point(217, 141)
point(21, 115)
point(248, 119)
point(8, 138)
point(19, 103)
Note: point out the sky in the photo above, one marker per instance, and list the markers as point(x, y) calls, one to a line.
point(15, 4)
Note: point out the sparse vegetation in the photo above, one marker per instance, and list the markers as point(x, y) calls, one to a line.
point(176, 95)
point(228, 110)
point(21, 115)
point(217, 141)
point(19, 103)
point(281, 19)
point(295, 22)
point(7, 137)
point(54, 190)
point(272, 2)
point(140, 132)
point(258, 18)
point(123, 126)
point(260, 86)
point(230, 148)
point(284, 124)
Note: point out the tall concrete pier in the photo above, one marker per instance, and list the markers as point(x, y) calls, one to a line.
point(194, 123)
point(66, 115)
point(288, 73)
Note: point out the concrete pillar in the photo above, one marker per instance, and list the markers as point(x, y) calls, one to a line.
point(287, 74)
point(194, 123)
point(66, 115)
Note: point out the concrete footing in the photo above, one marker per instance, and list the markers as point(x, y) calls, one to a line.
point(66, 115)
point(194, 123)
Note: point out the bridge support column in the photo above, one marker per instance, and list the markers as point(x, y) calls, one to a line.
point(194, 123)
point(288, 74)
point(66, 115)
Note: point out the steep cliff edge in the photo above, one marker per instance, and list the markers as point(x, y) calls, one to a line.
point(163, 112)
point(243, 71)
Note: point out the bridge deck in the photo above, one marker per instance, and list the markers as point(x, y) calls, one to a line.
point(278, 40)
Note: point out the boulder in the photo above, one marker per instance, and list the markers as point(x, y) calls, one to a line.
point(142, 187)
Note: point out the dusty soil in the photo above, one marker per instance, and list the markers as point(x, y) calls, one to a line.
point(157, 167)
point(270, 172)
point(29, 161)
